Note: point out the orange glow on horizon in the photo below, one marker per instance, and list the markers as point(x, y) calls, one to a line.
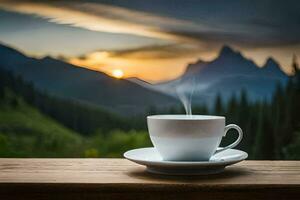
point(117, 73)
point(141, 65)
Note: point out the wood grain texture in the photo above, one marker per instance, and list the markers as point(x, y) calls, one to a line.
point(122, 179)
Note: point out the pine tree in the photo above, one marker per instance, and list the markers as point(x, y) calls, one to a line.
point(244, 103)
point(278, 108)
point(231, 113)
point(264, 141)
point(218, 108)
point(296, 92)
point(258, 144)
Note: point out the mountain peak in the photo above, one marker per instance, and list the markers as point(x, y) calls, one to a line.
point(273, 67)
point(47, 58)
point(227, 50)
point(270, 62)
point(195, 67)
point(50, 59)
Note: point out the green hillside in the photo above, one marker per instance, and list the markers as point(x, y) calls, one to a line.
point(34, 124)
point(25, 132)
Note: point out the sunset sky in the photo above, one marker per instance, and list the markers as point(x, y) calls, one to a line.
point(152, 40)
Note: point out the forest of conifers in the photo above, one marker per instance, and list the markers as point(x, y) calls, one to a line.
point(36, 124)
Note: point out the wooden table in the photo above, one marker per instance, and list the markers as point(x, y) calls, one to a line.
point(121, 179)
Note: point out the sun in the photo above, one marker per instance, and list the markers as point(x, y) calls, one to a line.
point(117, 73)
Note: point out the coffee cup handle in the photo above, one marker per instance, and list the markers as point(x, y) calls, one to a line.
point(238, 140)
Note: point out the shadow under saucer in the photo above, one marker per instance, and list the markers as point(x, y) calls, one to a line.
point(228, 173)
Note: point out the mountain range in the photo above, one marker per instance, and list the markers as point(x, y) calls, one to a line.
point(68, 81)
point(226, 75)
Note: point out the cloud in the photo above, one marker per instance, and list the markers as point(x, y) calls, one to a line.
point(239, 29)
point(104, 18)
point(270, 31)
point(159, 52)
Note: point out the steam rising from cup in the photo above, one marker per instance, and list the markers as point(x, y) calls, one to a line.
point(182, 89)
point(185, 95)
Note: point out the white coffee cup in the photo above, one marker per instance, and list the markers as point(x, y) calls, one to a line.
point(189, 137)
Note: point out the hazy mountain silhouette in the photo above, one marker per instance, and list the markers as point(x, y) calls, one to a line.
point(69, 81)
point(228, 74)
point(232, 63)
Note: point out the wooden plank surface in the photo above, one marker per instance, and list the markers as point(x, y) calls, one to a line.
point(119, 178)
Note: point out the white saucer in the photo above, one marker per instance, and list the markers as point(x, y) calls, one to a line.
point(154, 163)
